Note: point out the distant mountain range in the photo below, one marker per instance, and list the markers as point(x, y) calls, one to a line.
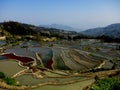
point(112, 30)
point(59, 26)
point(17, 28)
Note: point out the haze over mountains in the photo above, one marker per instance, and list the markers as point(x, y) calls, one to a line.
point(112, 30)
point(60, 26)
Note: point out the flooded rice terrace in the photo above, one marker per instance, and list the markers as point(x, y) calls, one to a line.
point(57, 63)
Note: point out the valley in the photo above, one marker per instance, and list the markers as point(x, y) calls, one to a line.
point(39, 58)
point(59, 65)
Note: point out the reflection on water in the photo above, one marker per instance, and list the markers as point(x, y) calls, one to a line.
point(2, 42)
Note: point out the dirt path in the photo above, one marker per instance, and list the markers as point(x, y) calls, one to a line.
point(20, 73)
point(103, 63)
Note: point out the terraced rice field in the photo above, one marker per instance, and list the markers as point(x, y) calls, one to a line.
point(20, 58)
point(58, 62)
point(2, 42)
point(74, 86)
point(50, 74)
point(29, 80)
point(45, 55)
point(73, 65)
point(56, 65)
point(92, 57)
point(10, 67)
point(108, 65)
point(81, 59)
point(21, 52)
point(57, 58)
point(56, 73)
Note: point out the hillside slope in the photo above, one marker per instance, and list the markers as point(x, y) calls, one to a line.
point(112, 30)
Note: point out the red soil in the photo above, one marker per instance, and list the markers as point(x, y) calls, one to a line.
point(20, 58)
point(49, 64)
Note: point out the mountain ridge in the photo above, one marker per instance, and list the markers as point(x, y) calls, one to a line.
point(60, 26)
point(17, 28)
point(112, 30)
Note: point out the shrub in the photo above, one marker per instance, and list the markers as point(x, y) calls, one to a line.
point(10, 81)
point(107, 84)
point(2, 75)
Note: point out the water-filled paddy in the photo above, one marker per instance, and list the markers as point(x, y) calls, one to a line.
point(45, 54)
point(2, 42)
point(58, 62)
point(74, 86)
point(19, 58)
point(21, 51)
point(10, 67)
point(30, 80)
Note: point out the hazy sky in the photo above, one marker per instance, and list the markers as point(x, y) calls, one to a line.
point(81, 14)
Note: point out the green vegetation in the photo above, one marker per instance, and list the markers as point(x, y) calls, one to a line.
point(107, 84)
point(16, 28)
point(8, 80)
point(2, 75)
point(108, 39)
point(24, 46)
